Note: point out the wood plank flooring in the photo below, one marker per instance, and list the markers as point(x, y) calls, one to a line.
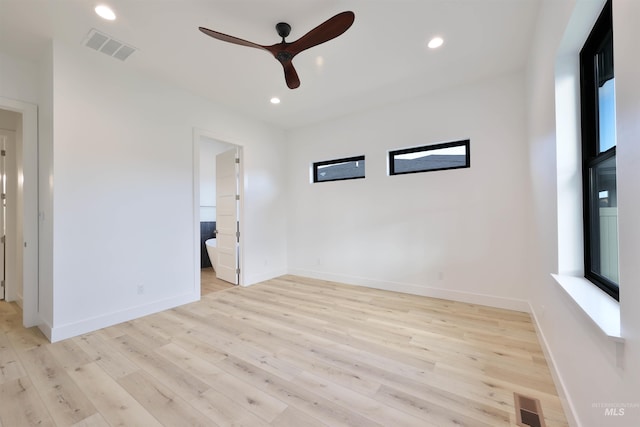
point(289, 352)
point(210, 283)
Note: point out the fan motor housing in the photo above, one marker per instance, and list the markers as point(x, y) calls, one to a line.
point(283, 29)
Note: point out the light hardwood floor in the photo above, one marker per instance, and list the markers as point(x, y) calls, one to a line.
point(210, 283)
point(288, 352)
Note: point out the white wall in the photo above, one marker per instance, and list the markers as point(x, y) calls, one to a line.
point(590, 369)
point(123, 189)
point(18, 79)
point(209, 149)
point(457, 234)
point(45, 189)
point(626, 15)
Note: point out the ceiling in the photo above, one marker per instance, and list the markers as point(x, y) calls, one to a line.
point(381, 59)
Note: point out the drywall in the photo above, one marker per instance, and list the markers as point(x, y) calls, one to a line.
point(123, 192)
point(595, 374)
point(45, 191)
point(209, 148)
point(455, 234)
point(18, 79)
point(626, 15)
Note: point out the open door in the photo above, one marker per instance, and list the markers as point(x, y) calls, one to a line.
point(227, 216)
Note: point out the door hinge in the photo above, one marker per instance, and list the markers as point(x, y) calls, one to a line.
point(4, 196)
point(3, 153)
point(237, 234)
point(237, 197)
point(2, 239)
point(237, 272)
point(237, 160)
point(2, 284)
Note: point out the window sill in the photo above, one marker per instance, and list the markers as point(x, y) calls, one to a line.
point(603, 310)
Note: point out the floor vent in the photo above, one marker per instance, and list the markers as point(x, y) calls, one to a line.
point(108, 45)
point(528, 411)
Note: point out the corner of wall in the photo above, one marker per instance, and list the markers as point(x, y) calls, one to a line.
point(563, 394)
point(415, 289)
point(46, 329)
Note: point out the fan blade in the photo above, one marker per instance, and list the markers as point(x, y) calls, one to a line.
point(330, 29)
point(290, 75)
point(230, 39)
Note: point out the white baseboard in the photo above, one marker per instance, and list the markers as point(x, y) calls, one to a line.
point(17, 298)
point(70, 330)
point(263, 277)
point(409, 288)
point(567, 405)
point(45, 328)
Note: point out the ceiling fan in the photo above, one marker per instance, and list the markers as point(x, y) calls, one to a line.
point(284, 51)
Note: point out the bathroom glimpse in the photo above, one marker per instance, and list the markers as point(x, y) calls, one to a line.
point(207, 243)
point(208, 151)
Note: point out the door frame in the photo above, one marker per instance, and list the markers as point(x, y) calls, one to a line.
point(3, 230)
point(27, 156)
point(198, 133)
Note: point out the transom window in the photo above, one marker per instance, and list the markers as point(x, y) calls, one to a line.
point(448, 155)
point(339, 169)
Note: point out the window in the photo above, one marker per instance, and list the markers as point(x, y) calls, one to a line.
point(600, 205)
point(449, 155)
point(339, 169)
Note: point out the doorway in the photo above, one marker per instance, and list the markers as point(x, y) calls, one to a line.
point(3, 212)
point(19, 130)
point(8, 121)
point(10, 274)
point(219, 184)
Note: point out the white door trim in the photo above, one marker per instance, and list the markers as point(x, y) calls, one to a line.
point(27, 150)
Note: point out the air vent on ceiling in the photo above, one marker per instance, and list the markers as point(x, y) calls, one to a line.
point(528, 411)
point(108, 45)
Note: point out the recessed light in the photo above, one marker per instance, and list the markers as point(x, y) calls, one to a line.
point(105, 12)
point(435, 42)
point(275, 100)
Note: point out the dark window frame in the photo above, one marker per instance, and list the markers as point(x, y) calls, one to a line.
point(316, 165)
point(461, 143)
point(596, 43)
